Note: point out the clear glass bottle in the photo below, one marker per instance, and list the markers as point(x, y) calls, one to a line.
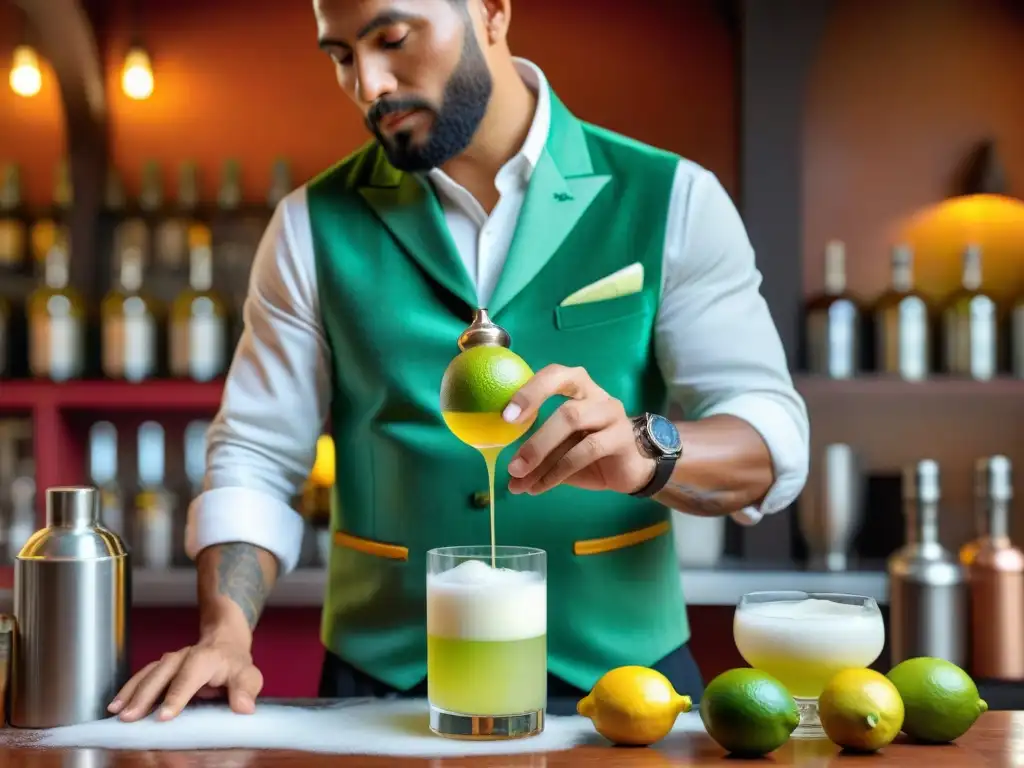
point(56, 322)
point(903, 323)
point(103, 474)
point(834, 322)
point(154, 503)
point(13, 239)
point(129, 320)
point(970, 324)
point(199, 318)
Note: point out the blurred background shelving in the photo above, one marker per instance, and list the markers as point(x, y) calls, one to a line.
point(873, 140)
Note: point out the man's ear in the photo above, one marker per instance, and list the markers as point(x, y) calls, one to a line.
point(497, 15)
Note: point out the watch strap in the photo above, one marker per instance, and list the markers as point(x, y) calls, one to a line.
point(662, 472)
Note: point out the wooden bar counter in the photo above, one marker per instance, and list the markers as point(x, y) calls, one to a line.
point(997, 739)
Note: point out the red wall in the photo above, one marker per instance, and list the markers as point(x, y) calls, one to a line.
point(245, 79)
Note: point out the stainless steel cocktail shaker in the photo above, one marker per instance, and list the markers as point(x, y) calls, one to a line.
point(71, 598)
point(927, 591)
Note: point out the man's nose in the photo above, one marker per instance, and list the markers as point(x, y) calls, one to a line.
point(374, 81)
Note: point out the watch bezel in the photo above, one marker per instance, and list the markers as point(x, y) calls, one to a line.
point(664, 450)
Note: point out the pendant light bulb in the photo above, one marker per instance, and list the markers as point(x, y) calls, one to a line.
point(137, 75)
point(26, 77)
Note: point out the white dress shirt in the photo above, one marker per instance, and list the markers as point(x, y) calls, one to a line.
point(715, 341)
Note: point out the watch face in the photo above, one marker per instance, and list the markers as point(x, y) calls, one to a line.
point(664, 434)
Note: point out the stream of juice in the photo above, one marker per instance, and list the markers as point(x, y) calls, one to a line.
point(489, 434)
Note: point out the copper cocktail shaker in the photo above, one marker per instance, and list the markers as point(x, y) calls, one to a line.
point(996, 578)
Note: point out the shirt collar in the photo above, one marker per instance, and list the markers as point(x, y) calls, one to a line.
point(537, 137)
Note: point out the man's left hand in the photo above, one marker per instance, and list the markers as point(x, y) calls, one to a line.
point(588, 442)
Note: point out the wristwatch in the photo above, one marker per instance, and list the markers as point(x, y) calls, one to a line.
point(658, 439)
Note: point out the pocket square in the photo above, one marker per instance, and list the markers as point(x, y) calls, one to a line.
point(621, 283)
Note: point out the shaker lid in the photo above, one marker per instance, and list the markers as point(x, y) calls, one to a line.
point(482, 331)
point(72, 530)
point(921, 482)
point(993, 478)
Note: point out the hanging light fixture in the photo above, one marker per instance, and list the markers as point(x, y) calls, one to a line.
point(26, 77)
point(137, 74)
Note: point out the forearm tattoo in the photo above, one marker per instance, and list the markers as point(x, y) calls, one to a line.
point(240, 578)
point(687, 498)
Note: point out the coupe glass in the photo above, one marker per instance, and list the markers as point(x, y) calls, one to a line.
point(487, 641)
point(804, 638)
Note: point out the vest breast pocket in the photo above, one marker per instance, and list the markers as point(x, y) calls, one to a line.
point(604, 312)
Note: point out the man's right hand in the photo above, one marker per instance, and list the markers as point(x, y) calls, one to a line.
point(233, 583)
point(205, 670)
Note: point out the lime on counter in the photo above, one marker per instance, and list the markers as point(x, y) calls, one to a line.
point(940, 699)
point(748, 712)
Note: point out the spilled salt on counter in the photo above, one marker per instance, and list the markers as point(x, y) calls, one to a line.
point(370, 727)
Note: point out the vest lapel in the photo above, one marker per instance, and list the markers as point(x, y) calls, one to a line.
point(561, 189)
point(408, 207)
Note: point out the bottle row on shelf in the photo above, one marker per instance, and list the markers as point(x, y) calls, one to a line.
point(904, 335)
point(177, 280)
point(146, 481)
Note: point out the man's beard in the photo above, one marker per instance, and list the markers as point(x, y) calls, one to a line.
point(466, 96)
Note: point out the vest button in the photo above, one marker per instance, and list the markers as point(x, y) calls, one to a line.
point(481, 500)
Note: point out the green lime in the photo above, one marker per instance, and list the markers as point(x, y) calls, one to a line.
point(748, 712)
point(483, 379)
point(940, 699)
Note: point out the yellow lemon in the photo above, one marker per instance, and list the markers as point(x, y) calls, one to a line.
point(860, 709)
point(477, 385)
point(322, 474)
point(633, 706)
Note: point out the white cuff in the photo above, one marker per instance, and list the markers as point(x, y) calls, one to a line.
point(224, 515)
point(787, 441)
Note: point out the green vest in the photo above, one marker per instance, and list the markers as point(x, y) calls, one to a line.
point(395, 296)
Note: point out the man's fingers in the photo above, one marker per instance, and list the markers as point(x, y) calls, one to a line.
point(152, 686)
point(526, 484)
point(128, 689)
point(195, 673)
point(243, 689)
point(585, 452)
point(572, 418)
point(548, 381)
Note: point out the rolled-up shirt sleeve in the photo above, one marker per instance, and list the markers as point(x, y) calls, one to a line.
point(262, 443)
point(716, 342)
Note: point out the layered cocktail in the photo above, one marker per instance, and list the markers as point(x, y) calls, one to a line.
point(802, 639)
point(486, 641)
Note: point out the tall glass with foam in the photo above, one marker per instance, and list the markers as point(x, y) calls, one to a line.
point(802, 639)
point(487, 641)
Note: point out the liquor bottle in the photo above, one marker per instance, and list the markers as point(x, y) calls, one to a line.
point(13, 238)
point(129, 321)
point(195, 456)
point(154, 503)
point(280, 182)
point(151, 195)
point(229, 197)
point(996, 578)
point(902, 324)
point(51, 227)
point(172, 232)
point(199, 317)
point(56, 322)
point(23, 511)
point(834, 322)
point(5, 337)
point(927, 592)
point(970, 325)
point(114, 197)
point(103, 473)
point(1017, 338)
